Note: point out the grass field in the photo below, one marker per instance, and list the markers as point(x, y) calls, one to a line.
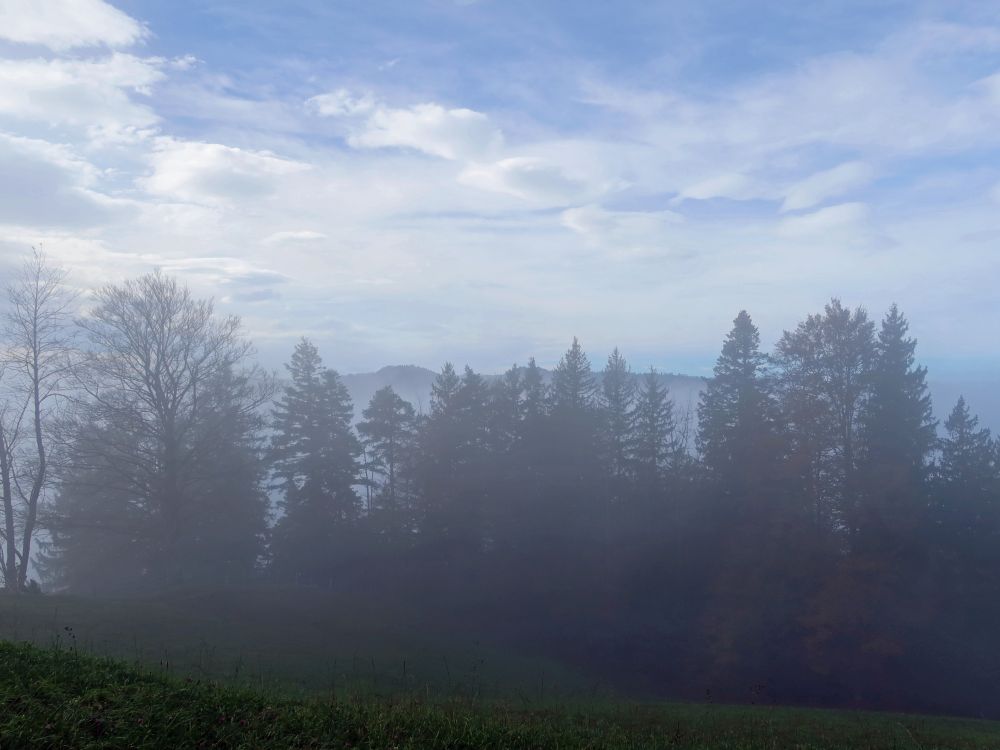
point(291, 667)
point(298, 641)
point(52, 698)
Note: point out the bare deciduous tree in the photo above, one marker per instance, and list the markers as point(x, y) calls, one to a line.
point(154, 352)
point(38, 364)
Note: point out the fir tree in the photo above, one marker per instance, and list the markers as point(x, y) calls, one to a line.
point(617, 400)
point(387, 431)
point(653, 446)
point(899, 434)
point(573, 385)
point(736, 413)
point(967, 497)
point(315, 461)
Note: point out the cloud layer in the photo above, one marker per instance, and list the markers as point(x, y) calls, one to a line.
point(444, 184)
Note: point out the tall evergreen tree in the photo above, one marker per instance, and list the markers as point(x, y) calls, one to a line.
point(387, 430)
point(899, 435)
point(654, 445)
point(617, 401)
point(736, 412)
point(506, 410)
point(315, 454)
point(454, 440)
point(753, 523)
point(573, 386)
point(967, 497)
point(536, 394)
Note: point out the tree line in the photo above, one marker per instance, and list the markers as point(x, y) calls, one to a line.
point(814, 535)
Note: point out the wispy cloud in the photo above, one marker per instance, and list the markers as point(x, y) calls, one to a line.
point(449, 133)
point(378, 179)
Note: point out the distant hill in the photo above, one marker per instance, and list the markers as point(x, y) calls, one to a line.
point(413, 383)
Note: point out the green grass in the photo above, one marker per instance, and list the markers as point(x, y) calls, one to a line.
point(297, 640)
point(51, 698)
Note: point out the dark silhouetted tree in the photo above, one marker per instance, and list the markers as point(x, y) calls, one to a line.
point(616, 403)
point(314, 452)
point(387, 430)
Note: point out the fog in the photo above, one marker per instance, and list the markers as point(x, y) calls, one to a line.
point(506, 353)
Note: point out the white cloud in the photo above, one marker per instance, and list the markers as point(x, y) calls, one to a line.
point(884, 102)
point(448, 133)
point(93, 94)
point(730, 185)
point(827, 184)
point(622, 234)
point(525, 177)
point(343, 103)
point(430, 128)
point(64, 24)
point(844, 218)
point(293, 235)
point(45, 184)
point(213, 173)
point(223, 271)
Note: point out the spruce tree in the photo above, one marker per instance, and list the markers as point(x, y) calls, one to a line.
point(899, 434)
point(616, 401)
point(653, 445)
point(506, 410)
point(736, 412)
point(535, 393)
point(452, 445)
point(898, 421)
point(387, 431)
point(573, 386)
point(315, 454)
point(967, 500)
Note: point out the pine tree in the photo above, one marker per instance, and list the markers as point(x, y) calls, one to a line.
point(967, 497)
point(899, 425)
point(454, 441)
point(573, 386)
point(899, 434)
point(653, 445)
point(617, 400)
point(387, 431)
point(506, 410)
point(967, 455)
point(573, 489)
point(315, 454)
point(535, 393)
point(736, 413)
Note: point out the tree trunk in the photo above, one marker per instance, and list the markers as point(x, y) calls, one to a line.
point(39, 479)
point(7, 484)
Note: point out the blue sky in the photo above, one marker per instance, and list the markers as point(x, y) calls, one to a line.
point(482, 180)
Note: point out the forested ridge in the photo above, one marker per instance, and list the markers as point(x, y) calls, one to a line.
point(811, 535)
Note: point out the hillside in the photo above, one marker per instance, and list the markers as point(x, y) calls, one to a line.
point(294, 639)
point(60, 699)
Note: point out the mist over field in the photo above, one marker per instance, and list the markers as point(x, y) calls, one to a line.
point(481, 373)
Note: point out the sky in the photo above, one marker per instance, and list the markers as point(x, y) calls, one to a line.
point(482, 180)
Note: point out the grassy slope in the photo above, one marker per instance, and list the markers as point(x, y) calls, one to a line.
point(298, 640)
point(57, 699)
